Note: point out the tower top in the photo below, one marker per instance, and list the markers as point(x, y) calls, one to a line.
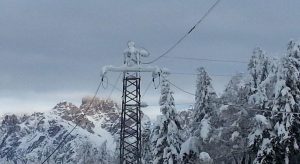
point(133, 55)
point(132, 62)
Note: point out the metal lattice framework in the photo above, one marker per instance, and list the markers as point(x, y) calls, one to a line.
point(130, 135)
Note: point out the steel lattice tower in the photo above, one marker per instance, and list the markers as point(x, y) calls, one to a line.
point(130, 135)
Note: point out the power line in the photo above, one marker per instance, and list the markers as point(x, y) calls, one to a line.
point(188, 33)
point(114, 86)
point(176, 104)
point(89, 106)
point(265, 110)
point(239, 106)
point(205, 59)
point(187, 92)
point(148, 86)
point(195, 74)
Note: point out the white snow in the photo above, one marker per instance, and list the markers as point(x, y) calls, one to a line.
point(110, 68)
point(172, 127)
point(205, 128)
point(224, 107)
point(105, 135)
point(191, 144)
point(263, 120)
point(234, 135)
point(205, 158)
point(252, 136)
point(281, 131)
point(278, 87)
point(296, 146)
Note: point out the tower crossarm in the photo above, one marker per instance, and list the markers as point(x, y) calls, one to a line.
point(152, 69)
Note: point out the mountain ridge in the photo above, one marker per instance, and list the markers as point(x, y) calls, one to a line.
point(31, 138)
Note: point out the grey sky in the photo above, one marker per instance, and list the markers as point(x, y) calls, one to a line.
point(54, 50)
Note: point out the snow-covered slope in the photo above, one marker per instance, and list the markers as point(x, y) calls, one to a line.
point(31, 138)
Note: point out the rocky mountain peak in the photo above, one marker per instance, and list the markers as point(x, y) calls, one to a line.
point(30, 138)
point(98, 106)
point(10, 123)
point(10, 120)
point(66, 106)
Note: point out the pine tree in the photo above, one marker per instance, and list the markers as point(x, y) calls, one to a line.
point(205, 105)
point(261, 140)
point(205, 119)
point(232, 90)
point(262, 81)
point(166, 136)
point(280, 144)
point(287, 99)
point(258, 68)
point(146, 144)
point(261, 84)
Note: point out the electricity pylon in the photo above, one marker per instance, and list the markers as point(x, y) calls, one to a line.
point(130, 134)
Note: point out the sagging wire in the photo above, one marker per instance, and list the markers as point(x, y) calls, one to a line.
point(114, 86)
point(185, 35)
point(148, 86)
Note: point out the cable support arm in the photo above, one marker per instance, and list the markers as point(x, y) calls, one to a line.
point(155, 70)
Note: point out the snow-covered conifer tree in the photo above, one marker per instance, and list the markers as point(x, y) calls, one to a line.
point(205, 105)
point(166, 136)
point(258, 68)
point(281, 144)
point(261, 84)
point(261, 81)
point(232, 90)
point(261, 140)
point(287, 99)
point(146, 144)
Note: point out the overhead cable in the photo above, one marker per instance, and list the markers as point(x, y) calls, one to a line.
point(187, 92)
point(114, 86)
point(239, 106)
point(186, 34)
point(195, 74)
point(206, 59)
point(148, 86)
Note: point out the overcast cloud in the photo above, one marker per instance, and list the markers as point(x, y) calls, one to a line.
point(53, 50)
